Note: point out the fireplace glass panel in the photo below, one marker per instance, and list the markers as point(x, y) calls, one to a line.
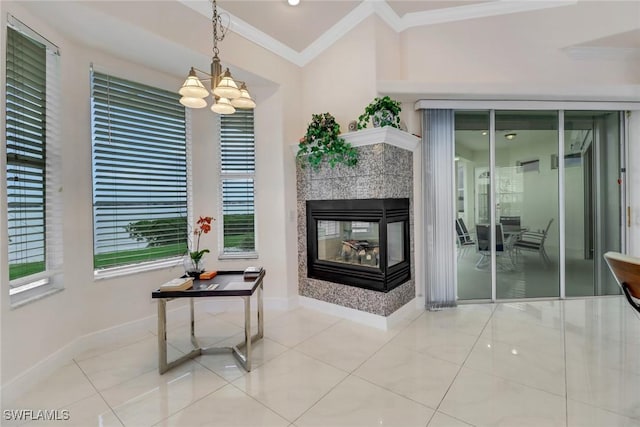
point(349, 242)
point(395, 243)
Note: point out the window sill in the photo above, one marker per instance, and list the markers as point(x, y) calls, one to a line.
point(32, 295)
point(239, 255)
point(109, 273)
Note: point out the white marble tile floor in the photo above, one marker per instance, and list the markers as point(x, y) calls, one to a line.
point(542, 363)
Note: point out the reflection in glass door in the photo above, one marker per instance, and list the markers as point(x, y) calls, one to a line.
point(592, 200)
point(473, 186)
point(527, 204)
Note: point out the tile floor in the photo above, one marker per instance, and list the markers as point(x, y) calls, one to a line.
point(544, 363)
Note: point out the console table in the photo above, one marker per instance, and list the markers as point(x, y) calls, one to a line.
point(224, 284)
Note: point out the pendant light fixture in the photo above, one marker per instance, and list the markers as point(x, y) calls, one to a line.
point(228, 94)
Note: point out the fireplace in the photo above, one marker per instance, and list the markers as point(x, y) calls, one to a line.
point(359, 242)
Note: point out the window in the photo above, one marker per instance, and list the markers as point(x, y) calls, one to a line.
point(237, 173)
point(34, 206)
point(139, 174)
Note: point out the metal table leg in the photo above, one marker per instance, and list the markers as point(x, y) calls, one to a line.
point(163, 365)
point(244, 357)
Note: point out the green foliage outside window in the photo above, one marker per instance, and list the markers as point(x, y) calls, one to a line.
point(158, 232)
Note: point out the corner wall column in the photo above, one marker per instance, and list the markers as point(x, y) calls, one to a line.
point(438, 131)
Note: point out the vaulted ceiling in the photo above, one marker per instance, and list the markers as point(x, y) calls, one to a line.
point(297, 34)
point(300, 33)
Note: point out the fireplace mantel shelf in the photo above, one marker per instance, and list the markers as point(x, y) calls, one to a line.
point(387, 135)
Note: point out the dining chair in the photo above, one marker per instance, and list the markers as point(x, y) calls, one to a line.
point(483, 246)
point(534, 241)
point(465, 240)
point(626, 270)
point(510, 223)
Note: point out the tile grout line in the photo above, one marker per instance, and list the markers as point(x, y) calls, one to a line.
point(495, 306)
point(99, 393)
point(349, 374)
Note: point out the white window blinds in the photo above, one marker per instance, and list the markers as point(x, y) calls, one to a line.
point(139, 173)
point(34, 203)
point(26, 154)
point(237, 152)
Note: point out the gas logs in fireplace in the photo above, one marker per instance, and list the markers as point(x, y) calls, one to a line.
point(363, 243)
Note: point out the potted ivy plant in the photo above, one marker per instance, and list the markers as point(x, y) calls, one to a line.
point(322, 142)
point(382, 112)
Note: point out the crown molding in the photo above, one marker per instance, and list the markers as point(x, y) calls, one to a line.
point(597, 52)
point(256, 36)
point(474, 11)
point(336, 32)
point(388, 15)
point(373, 7)
point(249, 32)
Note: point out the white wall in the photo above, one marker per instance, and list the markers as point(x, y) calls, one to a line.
point(34, 332)
point(508, 49)
point(337, 83)
point(522, 48)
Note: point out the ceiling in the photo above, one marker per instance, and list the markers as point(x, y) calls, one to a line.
point(297, 34)
point(300, 33)
point(299, 26)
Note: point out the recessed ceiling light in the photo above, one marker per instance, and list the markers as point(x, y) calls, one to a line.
point(293, 2)
point(484, 133)
point(510, 136)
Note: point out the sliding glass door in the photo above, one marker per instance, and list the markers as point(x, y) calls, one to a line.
point(526, 208)
point(592, 200)
point(473, 202)
point(530, 225)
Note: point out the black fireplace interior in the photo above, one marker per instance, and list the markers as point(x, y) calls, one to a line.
point(363, 243)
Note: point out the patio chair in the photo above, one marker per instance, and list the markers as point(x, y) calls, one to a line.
point(626, 270)
point(534, 241)
point(483, 246)
point(465, 241)
point(510, 223)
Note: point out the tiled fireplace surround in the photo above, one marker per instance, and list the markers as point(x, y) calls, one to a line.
point(384, 170)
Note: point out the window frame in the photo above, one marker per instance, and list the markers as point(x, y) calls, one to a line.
point(168, 261)
point(226, 175)
point(31, 287)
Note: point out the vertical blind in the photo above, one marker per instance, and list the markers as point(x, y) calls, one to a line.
point(139, 172)
point(237, 152)
point(26, 154)
point(438, 190)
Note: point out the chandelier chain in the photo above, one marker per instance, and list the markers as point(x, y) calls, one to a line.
point(218, 27)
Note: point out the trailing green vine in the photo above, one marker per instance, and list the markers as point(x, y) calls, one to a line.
point(322, 142)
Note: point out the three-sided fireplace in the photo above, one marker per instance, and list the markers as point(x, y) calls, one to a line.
point(359, 242)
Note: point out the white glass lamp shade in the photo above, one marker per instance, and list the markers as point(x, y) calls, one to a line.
point(244, 101)
point(192, 102)
point(223, 106)
point(193, 87)
point(227, 88)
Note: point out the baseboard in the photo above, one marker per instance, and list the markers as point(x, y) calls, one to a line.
point(368, 319)
point(25, 381)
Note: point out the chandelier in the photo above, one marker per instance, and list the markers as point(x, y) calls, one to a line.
point(228, 94)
